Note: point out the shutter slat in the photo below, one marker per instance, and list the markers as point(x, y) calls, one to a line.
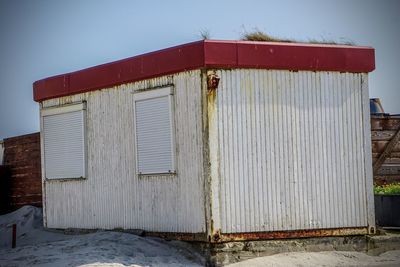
point(153, 134)
point(64, 142)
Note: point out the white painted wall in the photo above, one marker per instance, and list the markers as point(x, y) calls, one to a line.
point(290, 151)
point(113, 195)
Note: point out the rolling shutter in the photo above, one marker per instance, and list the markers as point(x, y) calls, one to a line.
point(64, 142)
point(154, 132)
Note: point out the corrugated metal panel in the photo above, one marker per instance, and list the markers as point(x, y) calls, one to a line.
point(291, 151)
point(154, 135)
point(368, 153)
point(113, 195)
point(64, 145)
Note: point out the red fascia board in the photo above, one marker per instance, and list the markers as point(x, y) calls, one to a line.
point(209, 54)
point(289, 56)
point(306, 57)
point(171, 60)
point(220, 54)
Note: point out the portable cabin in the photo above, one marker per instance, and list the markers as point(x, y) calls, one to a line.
point(212, 141)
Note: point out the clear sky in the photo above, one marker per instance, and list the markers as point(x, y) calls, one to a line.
point(43, 38)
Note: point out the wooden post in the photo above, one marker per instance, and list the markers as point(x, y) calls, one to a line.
point(14, 235)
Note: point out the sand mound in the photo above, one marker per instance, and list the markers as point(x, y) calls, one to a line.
point(37, 246)
point(26, 218)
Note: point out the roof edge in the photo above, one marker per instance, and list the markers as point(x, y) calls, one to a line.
point(210, 54)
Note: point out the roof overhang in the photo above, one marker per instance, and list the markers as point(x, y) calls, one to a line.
point(209, 54)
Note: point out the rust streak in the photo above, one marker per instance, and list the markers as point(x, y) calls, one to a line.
point(201, 237)
point(289, 234)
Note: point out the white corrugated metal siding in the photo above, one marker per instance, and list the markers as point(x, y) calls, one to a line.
point(113, 195)
point(290, 151)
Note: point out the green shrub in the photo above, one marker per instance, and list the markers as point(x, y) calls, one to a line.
point(389, 189)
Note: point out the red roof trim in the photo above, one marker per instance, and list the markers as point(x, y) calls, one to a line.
point(209, 54)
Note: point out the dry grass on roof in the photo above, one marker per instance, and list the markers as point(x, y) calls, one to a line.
point(261, 36)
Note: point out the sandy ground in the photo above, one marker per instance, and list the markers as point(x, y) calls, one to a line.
point(38, 247)
point(328, 258)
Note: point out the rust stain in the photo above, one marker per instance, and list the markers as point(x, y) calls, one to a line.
point(219, 237)
point(202, 237)
point(211, 97)
point(216, 236)
point(212, 81)
point(211, 102)
point(288, 234)
point(211, 113)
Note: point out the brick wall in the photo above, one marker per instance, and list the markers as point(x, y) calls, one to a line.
point(22, 157)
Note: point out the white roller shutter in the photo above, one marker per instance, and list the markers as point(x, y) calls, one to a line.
point(64, 142)
point(154, 132)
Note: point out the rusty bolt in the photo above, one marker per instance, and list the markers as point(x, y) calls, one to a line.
point(212, 81)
